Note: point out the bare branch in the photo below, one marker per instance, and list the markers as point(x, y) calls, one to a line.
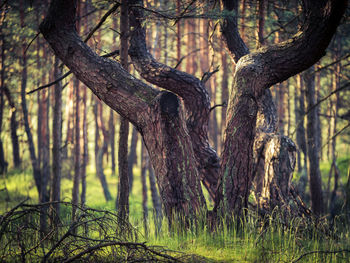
point(321, 252)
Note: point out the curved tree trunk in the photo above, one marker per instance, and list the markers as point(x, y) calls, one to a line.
point(170, 132)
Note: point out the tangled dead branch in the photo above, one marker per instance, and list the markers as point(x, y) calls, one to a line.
point(96, 235)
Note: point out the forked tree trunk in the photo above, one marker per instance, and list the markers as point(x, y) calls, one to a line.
point(170, 134)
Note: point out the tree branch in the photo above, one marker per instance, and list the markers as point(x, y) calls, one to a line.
point(321, 252)
point(111, 54)
point(305, 48)
point(188, 87)
point(229, 30)
point(106, 78)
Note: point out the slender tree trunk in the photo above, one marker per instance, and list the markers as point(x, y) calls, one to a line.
point(261, 23)
point(56, 145)
point(13, 127)
point(178, 33)
point(111, 124)
point(85, 155)
point(132, 158)
point(144, 167)
point(281, 107)
point(101, 151)
point(157, 204)
point(334, 168)
point(299, 117)
point(123, 194)
point(314, 174)
point(3, 163)
point(34, 161)
point(77, 159)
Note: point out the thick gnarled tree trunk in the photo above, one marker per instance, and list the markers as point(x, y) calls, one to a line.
point(176, 136)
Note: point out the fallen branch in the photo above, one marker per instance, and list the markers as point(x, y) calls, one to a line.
point(321, 252)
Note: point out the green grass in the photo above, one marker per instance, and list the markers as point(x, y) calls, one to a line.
point(276, 242)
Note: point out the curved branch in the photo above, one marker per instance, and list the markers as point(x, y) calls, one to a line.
point(106, 78)
point(306, 47)
point(189, 88)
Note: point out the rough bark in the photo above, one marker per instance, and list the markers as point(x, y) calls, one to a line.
point(256, 72)
point(159, 116)
point(190, 89)
point(314, 173)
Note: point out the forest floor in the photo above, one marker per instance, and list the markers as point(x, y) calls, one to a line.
point(275, 240)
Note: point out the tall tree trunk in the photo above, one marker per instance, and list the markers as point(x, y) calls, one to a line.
point(178, 34)
point(281, 107)
point(101, 151)
point(111, 124)
point(77, 158)
point(13, 110)
point(157, 204)
point(314, 173)
point(260, 22)
point(123, 194)
point(132, 158)
point(299, 117)
point(3, 163)
point(85, 155)
point(144, 167)
point(13, 127)
point(56, 145)
point(34, 161)
point(334, 168)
